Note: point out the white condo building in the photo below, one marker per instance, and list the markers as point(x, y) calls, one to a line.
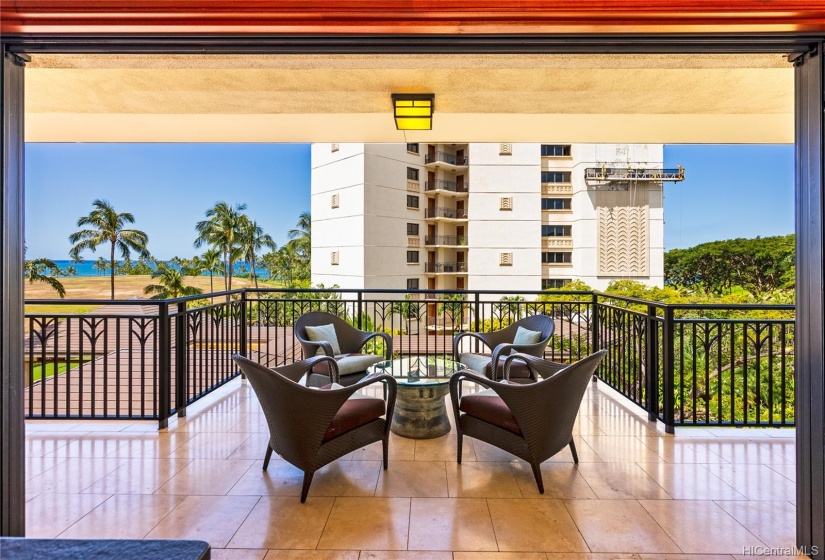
point(487, 216)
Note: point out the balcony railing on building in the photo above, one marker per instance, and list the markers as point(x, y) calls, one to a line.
point(446, 240)
point(446, 157)
point(445, 267)
point(686, 365)
point(444, 185)
point(444, 212)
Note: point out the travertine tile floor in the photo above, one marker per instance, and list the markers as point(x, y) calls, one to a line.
point(637, 492)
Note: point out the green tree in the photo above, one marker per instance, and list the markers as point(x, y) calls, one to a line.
point(301, 236)
point(210, 262)
point(170, 284)
point(100, 265)
point(44, 270)
point(221, 230)
point(761, 266)
point(105, 225)
point(252, 240)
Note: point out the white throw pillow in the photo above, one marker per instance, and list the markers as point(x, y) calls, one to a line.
point(525, 336)
point(324, 333)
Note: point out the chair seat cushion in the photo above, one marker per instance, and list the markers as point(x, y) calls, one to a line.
point(481, 364)
point(489, 407)
point(349, 363)
point(355, 412)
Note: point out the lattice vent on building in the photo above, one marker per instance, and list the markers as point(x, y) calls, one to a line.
point(334, 201)
point(506, 203)
point(333, 257)
point(334, 147)
point(506, 259)
point(505, 149)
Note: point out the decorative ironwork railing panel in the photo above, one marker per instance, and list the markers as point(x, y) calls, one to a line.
point(683, 364)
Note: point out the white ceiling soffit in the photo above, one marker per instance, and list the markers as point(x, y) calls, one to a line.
point(346, 98)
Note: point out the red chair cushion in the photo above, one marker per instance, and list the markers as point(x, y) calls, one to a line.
point(355, 412)
point(490, 408)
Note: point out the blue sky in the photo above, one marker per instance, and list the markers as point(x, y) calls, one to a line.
point(730, 191)
point(167, 187)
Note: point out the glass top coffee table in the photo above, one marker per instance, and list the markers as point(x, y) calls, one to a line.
point(423, 382)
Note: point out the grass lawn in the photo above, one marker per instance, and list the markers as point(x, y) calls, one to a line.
point(98, 287)
point(50, 367)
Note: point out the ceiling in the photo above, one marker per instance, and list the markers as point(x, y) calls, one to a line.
point(728, 98)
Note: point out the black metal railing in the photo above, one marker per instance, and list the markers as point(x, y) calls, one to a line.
point(695, 365)
point(447, 267)
point(443, 212)
point(444, 185)
point(446, 157)
point(451, 240)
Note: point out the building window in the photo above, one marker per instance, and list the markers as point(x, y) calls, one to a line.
point(412, 201)
point(560, 257)
point(412, 283)
point(555, 204)
point(554, 283)
point(412, 257)
point(412, 229)
point(555, 150)
point(555, 176)
point(412, 148)
point(555, 231)
point(412, 174)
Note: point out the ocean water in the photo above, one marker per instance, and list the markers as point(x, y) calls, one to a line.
point(86, 268)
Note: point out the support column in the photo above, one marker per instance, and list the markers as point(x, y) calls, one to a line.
point(12, 429)
point(810, 304)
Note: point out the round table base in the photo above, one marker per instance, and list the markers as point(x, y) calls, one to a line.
point(420, 412)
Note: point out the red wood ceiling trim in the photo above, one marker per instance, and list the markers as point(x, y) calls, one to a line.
point(33, 17)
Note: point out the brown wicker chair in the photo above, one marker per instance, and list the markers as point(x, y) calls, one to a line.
point(531, 421)
point(352, 364)
point(501, 344)
point(310, 428)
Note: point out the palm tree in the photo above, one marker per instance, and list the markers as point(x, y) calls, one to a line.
point(170, 284)
point(100, 265)
point(301, 236)
point(44, 270)
point(105, 225)
point(221, 231)
point(211, 262)
point(252, 240)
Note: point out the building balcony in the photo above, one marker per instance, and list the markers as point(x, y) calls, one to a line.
point(444, 213)
point(445, 268)
point(446, 187)
point(446, 160)
point(445, 241)
point(93, 446)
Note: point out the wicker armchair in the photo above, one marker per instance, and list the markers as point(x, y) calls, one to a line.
point(310, 428)
point(501, 344)
point(531, 421)
point(352, 364)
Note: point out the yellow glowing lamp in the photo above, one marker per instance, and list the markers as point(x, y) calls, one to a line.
point(413, 111)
